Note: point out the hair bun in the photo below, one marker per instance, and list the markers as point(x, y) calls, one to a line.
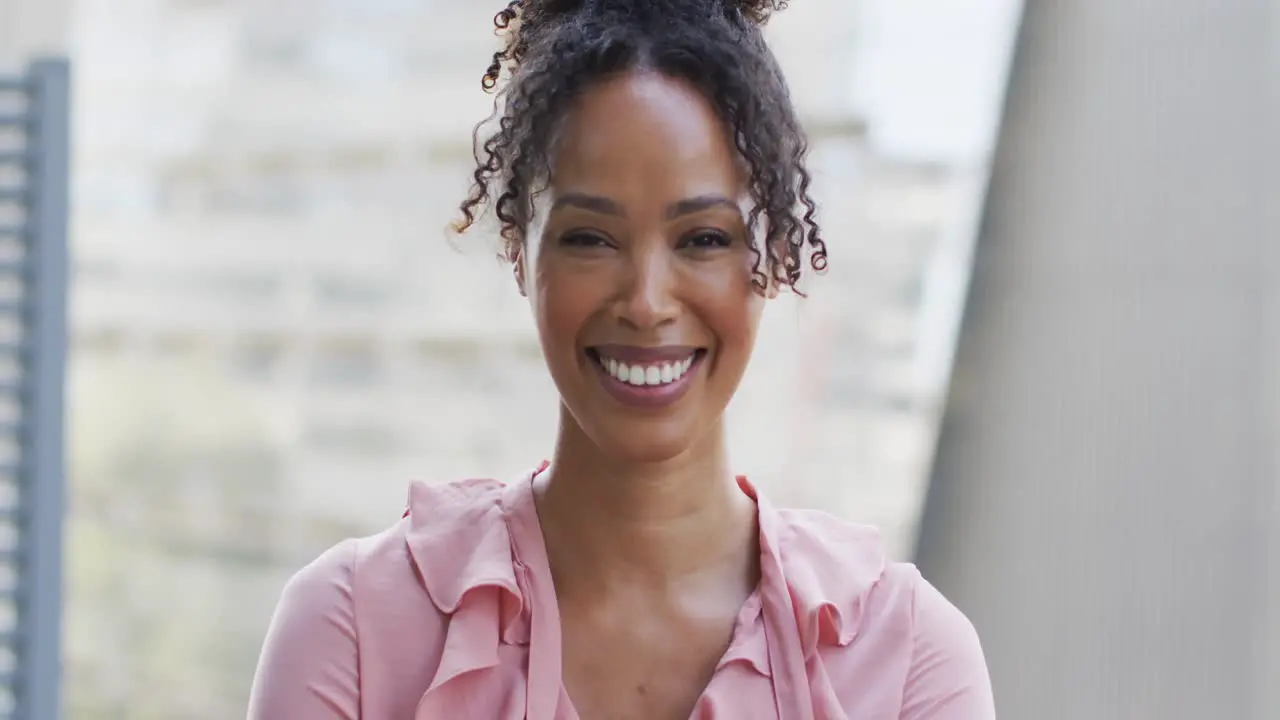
point(757, 11)
point(754, 11)
point(526, 9)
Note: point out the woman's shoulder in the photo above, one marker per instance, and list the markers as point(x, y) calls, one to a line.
point(444, 530)
point(882, 618)
point(444, 533)
point(846, 564)
point(364, 623)
point(827, 543)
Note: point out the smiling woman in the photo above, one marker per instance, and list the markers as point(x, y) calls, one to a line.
point(642, 267)
point(648, 176)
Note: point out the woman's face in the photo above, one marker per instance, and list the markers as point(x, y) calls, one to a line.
point(639, 268)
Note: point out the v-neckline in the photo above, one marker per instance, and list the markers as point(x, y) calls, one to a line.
point(547, 698)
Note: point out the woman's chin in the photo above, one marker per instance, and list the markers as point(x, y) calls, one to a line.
point(643, 444)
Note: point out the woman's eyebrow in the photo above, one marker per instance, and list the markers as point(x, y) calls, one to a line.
point(593, 203)
point(692, 205)
point(606, 206)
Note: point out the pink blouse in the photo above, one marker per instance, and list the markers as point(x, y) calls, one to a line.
point(451, 613)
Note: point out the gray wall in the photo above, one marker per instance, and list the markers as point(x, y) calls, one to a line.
point(1104, 500)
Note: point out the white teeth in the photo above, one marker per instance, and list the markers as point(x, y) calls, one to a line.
point(642, 375)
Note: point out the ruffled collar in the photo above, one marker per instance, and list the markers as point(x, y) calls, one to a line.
point(478, 550)
point(827, 565)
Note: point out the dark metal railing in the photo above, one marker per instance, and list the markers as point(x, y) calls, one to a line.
point(34, 151)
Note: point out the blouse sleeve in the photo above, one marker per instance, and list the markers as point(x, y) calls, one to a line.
point(309, 666)
point(948, 679)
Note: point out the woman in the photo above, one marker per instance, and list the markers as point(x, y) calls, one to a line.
point(648, 175)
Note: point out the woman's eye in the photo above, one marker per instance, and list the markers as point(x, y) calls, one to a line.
point(707, 239)
point(583, 240)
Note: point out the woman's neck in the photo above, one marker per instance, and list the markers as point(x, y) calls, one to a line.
point(611, 525)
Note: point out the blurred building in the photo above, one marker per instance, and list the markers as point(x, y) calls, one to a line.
point(268, 184)
point(31, 28)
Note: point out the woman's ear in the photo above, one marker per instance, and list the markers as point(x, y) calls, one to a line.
point(516, 257)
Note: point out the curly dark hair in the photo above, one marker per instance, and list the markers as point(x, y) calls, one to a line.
point(553, 49)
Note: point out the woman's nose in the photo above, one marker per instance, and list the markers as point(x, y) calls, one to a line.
point(647, 299)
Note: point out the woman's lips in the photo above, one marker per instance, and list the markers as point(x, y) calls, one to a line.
point(646, 377)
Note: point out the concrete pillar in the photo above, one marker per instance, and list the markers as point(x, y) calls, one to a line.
point(1105, 498)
